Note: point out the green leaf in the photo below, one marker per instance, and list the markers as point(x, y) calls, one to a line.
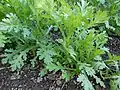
point(86, 68)
point(55, 67)
point(98, 81)
point(90, 71)
point(99, 65)
point(113, 58)
point(15, 58)
point(46, 53)
point(43, 72)
point(72, 52)
point(12, 24)
point(117, 18)
point(2, 40)
point(46, 5)
point(115, 83)
point(65, 75)
point(101, 1)
point(87, 85)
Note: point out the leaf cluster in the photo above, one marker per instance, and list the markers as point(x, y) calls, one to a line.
point(68, 37)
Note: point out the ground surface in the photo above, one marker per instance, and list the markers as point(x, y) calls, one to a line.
point(114, 45)
point(29, 79)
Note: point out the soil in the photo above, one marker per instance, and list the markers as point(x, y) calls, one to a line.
point(114, 45)
point(29, 79)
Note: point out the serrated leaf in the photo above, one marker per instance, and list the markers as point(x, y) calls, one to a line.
point(2, 40)
point(101, 17)
point(87, 85)
point(115, 83)
point(85, 68)
point(9, 23)
point(15, 59)
point(98, 80)
point(12, 24)
point(90, 71)
point(46, 53)
point(99, 65)
point(52, 67)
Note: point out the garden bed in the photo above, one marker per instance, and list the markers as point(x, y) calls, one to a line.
point(59, 45)
point(30, 80)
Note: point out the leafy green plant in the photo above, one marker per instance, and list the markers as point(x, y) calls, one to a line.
point(80, 46)
point(113, 8)
point(65, 36)
point(114, 71)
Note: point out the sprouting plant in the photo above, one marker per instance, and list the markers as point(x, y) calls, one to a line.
point(80, 42)
point(66, 36)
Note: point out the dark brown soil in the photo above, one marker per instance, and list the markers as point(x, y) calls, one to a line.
point(30, 80)
point(114, 45)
